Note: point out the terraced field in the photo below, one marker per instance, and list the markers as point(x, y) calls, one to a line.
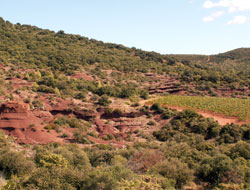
point(231, 107)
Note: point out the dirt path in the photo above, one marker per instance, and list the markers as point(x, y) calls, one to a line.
point(143, 102)
point(222, 120)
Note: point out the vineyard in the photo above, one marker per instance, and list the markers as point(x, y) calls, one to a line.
point(231, 107)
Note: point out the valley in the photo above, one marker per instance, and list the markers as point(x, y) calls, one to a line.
point(77, 113)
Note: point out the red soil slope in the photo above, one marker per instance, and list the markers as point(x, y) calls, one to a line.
point(17, 120)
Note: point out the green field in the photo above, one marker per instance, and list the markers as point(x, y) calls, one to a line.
point(232, 107)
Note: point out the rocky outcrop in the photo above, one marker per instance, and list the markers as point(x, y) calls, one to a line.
point(85, 115)
point(13, 115)
point(11, 111)
point(18, 121)
point(14, 107)
point(163, 84)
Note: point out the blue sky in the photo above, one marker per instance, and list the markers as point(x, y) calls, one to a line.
point(164, 26)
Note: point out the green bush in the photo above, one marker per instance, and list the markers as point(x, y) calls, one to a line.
point(145, 182)
point(14, 163)
point(215, 170)
point(54, 178)
point(104, 101)
point(37, 104)
point(176, 170)
point(81, 96)
point(240, 149)
point(230, 133)
point(74, 155)
point(110, 91)
point(45, 89)
point(81, 138)
point(156, 107)
point(144, 94)
point(165, 133)
point(49, 160)
point(109, 137)
point(167, 114)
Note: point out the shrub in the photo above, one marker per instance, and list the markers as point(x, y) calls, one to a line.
point(110, 91)
point(52, 127)
point(143, 160)
point(81, 96)
point(93, 134)
point(145, 182)
point(117, 112)
point(128, 92)
point(109, 137)
point(176, 170)
point(37, 104)
point(215, 170)
point(49, 160)
point(100, 179)
point(104, 101)
point(14, 163)
point(167, 114)
point(240, 149)
point(165, 133)
point(136, 104)
point(246, 132)
point(54, 178)
point(144, 109)
point(152, 123)
point(80, 138)
point(70, 122)
point(64, 135)
point(187, 115)
point(213, 131)
point(45, 89)
point(101, 156)
point(144, 94)
point(230, 133)
point(75, 156)
point(156, 107)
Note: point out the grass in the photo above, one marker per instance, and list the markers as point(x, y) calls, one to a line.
point(231, 107)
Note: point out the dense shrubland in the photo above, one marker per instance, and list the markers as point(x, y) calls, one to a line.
point(27, 46)
point(193, 149)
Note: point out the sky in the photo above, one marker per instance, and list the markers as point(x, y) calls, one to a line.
point(164, 26)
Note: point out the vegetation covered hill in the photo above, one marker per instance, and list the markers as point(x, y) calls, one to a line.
point(240, 55)
point(31, 47)
point(73, 116)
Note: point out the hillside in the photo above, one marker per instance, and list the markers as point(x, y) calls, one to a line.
point(77, 113)
point(240, 55)
point(24, 46)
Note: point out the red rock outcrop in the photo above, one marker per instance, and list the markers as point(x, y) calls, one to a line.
point(14, 107)
point(17, 120)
